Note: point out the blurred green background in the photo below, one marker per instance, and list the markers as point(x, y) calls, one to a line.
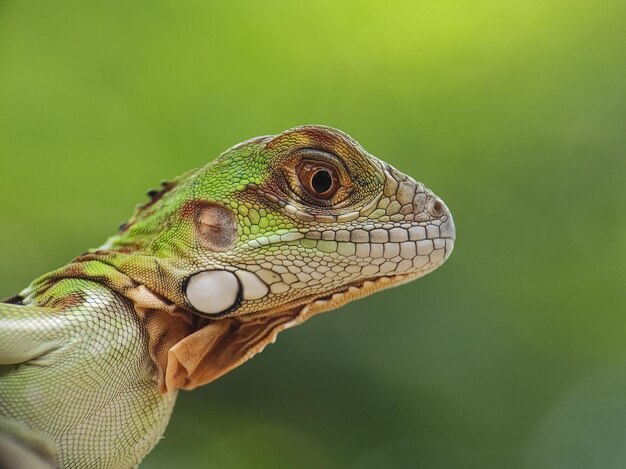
point(512, 355)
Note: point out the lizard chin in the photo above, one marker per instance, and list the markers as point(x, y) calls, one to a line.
point(311, 305)
point(354, 291)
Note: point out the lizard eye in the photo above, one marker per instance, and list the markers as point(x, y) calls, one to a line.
point(319, 180)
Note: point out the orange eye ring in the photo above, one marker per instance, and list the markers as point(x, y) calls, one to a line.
point(319, 180)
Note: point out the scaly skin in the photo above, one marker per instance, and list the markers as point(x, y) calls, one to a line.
point(201, 278)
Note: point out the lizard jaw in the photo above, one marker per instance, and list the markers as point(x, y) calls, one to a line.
point(355, 291)
point(304, 308)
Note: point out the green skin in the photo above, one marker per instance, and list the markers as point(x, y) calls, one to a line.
point(92, 354)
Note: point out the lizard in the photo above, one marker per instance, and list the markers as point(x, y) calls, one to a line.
point(201, 278)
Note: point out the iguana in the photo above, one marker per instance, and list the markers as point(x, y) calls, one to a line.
point(201, 278)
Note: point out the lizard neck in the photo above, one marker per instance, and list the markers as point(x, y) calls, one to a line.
point(165, 321)
point(120, 272)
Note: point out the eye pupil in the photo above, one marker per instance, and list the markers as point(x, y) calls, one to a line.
point(321, 181)
point(318, 180)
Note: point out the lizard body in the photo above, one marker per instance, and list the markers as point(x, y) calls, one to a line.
point(200, 279)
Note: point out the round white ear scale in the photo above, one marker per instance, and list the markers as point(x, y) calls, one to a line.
point(213, 291)
point(253, 287)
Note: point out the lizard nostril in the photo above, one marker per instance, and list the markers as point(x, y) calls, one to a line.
point(436, 208)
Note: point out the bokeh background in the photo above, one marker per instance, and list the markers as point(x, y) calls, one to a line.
point(512, 355)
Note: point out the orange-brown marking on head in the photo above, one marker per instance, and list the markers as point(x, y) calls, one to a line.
point(322, 138)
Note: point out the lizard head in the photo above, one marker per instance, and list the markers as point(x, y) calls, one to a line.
point(279, 228)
